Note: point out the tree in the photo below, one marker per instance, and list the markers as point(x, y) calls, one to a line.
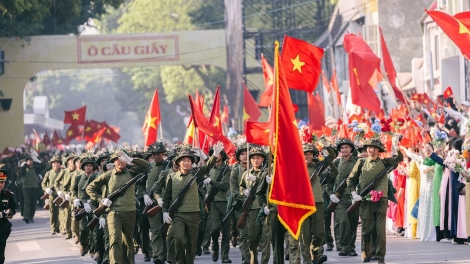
point(46, 17)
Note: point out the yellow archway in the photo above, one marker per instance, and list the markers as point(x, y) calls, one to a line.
point(25, 58)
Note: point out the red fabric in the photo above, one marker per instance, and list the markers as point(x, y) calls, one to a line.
point(56, 139)
point(250, 108)
point(215, 120)
point(72, 132)
point(110, 133)
point(304, 77)
point(294, 198)
point(268, 76)
point(454, 28)
point(334, 85)
point(448, 93)
point(46, 139)
point(316, 112)
point(224, 116)
point(325, 82)
point(76, 116)
point(363, 66)
point(257, 132)
point(152, 119)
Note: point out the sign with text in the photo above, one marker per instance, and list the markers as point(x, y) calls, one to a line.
point(127, 49)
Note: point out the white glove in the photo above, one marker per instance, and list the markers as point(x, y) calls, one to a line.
point(324, 142)
point(23, 164)
point(124, 157)
point(334, 199)
point(87, 207)
point(269, 179)
point(76, 203)
point(106, 202)
point(35, 159)
point(207, 181)
point(40, 177)
point(102, 222)
point(61, 194)
point(266, 210)
point(325, 152)
point(147, 200)
point(67, 197)
point(218, 147)
point(33, 153)
point(48, 191)
point(251, 177)
point(356, 197)
point(160, 202)
point(166, 218)
point(246, 192)
point(110, 166)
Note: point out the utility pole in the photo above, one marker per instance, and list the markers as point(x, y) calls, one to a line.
point(235, 59)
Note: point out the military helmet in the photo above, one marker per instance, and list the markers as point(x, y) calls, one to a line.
point(185, 153)
point(115, 154)
point(240, 148)
point(345, 141)
point(309, 147)
point(257, 150)
point(87, 159)
point(157, 147)
point(374, 142)
point(3, 173)
point(103, 155)
point(55, 159)
point(69, 157)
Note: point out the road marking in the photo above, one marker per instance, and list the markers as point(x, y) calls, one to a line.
point(53, 260)
point(28, 246)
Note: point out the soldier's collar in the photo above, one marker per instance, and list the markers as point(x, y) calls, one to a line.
point(373, 160)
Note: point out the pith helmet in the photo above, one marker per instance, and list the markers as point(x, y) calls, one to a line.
point(374, 142)
point(345, 141)
point(240, 148)
point(309, 147)
point(257, 150)
point(157, 147)
point(185, 153)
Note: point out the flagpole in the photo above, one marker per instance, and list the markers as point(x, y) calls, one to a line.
point(161, 130)
point(269, 185)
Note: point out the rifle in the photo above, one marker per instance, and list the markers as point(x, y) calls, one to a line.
point(338, 191)
point(46, 195)
point(79, 212)
point(246, 204)
point(58, 200)
point(213, 192)
point(370, 187)
point(321, 166)
point(177, 202)
point(150, 194)
point(230, 212)
point(64, 204)
point(118, 193)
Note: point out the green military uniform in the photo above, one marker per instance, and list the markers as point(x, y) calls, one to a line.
point(48, 182)
point(373, 214)
point(7, 210)
point(63, 183)
point(313, 228)
point(218, 209)
point(121, 214)
point(328, 215)
point(75, 224)
point(236, 177)
point(185, 224)
point(345, 224)
point(29, 178)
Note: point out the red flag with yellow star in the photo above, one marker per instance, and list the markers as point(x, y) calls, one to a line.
point(111, 133)
point(76, 116)
point(316, 111)
point(152, 119)
point(294, 197)
point(364, 66)
point(88, 130)
point(72, 132)
point(57, 139)
point(215, 119)
point(455, 27)
point(46, 139)
point(268, 76)
point(448, 93)
point(257, 132)
point(251, 111)
point(302, 64)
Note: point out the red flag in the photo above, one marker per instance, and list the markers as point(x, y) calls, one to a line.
point(427, 138)
point(88, 130)
point(251, 111)
point(268, 76)
point(448, 93)
point(110, 133)
point(152, 119)
point(224, 116)
point(257, 132)
point(215, 120)
point(325, 82)
point(390, 69)
point(439, 101)
point(302, 63)
point(201, 122)
point(334, 84)
point(442, 119)
point(294, 198)
point(76, 116)
point(426, 99)
point(72, 132)
point(46, 139)
point(364, 65)
point(457, 31)
point(56, 139)
point(316, 111)
point(343, 131)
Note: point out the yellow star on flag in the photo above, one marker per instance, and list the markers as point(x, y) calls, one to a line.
point(245, 115)
point(75, 116)
point(295, 123)
point(69, 133)
point(463, 29)
point(270, 81)
point(88, 129)
point(297, 64)
point(108, 131)
point(60, 140)
point(150, 122)
point(217, 122)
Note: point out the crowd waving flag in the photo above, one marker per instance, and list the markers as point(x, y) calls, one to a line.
point(294, 198)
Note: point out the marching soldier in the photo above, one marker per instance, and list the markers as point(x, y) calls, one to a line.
point(29, 177)
point(158, 243)
point(63, 185)
point(79, 191)
point(373, 214)
point(185, 223)
point(121, 213)
point(345, 224)
point(254, 229)
point(47, 184)
point(218, 206)
point(7, 210)
point(237, 198)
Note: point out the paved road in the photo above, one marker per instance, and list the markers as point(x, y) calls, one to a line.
point(32, 243)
